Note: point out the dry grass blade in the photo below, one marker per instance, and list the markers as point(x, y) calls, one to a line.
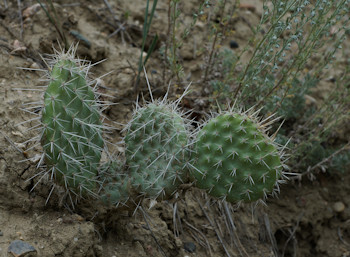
point(214, 227)
point(147, 219)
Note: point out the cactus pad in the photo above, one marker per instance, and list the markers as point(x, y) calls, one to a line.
point(156, 151)
point(235, 160)
point(72, 134)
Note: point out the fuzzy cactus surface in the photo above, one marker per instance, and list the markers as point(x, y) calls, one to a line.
point(156, 149)
point(72, 130)
point(235, 160)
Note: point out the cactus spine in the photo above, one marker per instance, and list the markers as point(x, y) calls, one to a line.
point(235, 160)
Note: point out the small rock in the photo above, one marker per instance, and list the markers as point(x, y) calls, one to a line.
point(144, 54)
point(34, 66)
point(31, 10)
point(233, 44)
point(249, 7)
point(332, 79)
point(309, 100)
point(77, 217)
point(178, 242)
point(19, 248)
point(18, 46)
point(190, 247)
point(17, 133)
point(338, 207)
point(200, 24)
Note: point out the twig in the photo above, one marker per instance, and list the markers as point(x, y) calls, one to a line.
point(109, 7)
point(149, 228)
point(207, 245)
point(232, 230)
point(11, 143)
point(341, 236)
point(271, 237)
point(55, 22)
point(7, 28)
point(146, 27)
point(165, 60)
point(293, 232)
point(213, 226)
point(345, 147)
point(120, 27)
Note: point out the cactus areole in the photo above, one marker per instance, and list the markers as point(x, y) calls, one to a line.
point(72, 136)
point(235, 160)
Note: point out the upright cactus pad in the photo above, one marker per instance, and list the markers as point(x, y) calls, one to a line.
point(156, 151)
point(235, 160)
point(72, 134)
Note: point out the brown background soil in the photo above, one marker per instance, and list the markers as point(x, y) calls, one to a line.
point(302, 222)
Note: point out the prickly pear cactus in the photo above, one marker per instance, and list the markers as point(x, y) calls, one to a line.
point(235, 160)
point(72, 134)
point(156, 151)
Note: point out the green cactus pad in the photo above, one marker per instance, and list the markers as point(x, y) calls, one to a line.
point(72, 134)
point(235, 160)
point(156, 151)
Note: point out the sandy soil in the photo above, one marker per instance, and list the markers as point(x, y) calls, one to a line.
point(306, 220)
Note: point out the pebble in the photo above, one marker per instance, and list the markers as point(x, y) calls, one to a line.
point(19, 248)
point(31, 10)
point(144, 54)
point(200, 24)
point(190, 247)
point(249, 7)
point(34, 66)
point(338, 207)
point(233, 44)
point(17, 133)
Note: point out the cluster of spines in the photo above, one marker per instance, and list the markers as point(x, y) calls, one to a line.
point(235, 160)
